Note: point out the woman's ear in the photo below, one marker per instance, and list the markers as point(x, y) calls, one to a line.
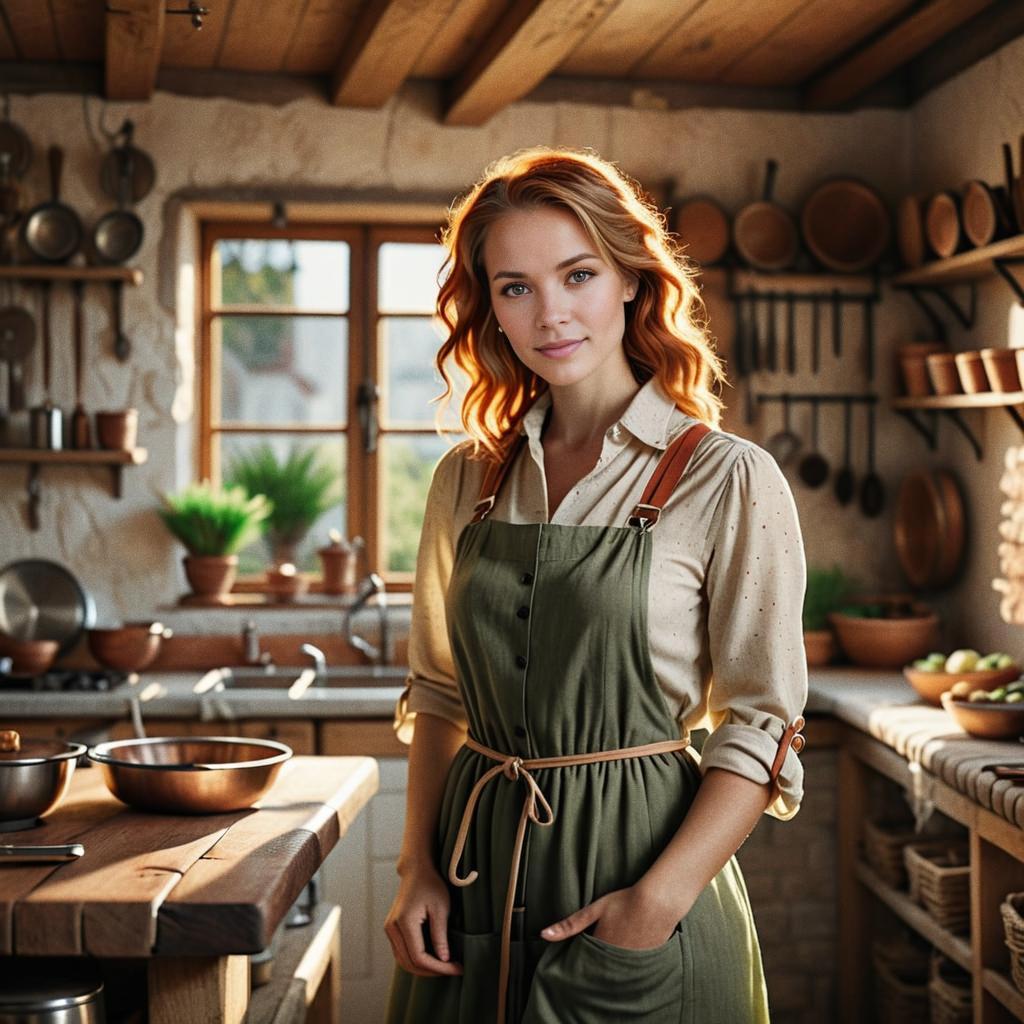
point(632, 285)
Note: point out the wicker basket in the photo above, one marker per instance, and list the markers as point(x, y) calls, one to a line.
point(902, 975)
point(883, 850)
point(939, 877)
point(1013, 927)
point(949, 993)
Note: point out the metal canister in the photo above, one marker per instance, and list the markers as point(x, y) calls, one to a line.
point(44, 990)
point(47, 428)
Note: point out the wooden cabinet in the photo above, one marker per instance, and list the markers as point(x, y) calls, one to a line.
point(298, 734)
point(374, 737)
point(996, 868)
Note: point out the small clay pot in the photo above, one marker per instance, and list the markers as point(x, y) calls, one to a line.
point(211, 575)
point(942, 372)
point(820, 647)
point(286, 583)
point(973, 378)
point(913, 368)
point(1001, 366)
point(117, 430)
point(338, 565)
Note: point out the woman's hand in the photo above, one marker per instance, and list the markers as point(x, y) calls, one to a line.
point(632, 918)
point(422, 899)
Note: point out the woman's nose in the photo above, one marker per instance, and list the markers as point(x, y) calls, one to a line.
point(552, 312)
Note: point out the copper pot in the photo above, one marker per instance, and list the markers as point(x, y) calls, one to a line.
point(34, 777)
point(129, 648)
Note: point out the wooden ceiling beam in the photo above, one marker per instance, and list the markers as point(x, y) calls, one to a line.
point(908, 38)
point(134, 43)
point(529, 42)
point(383, 48)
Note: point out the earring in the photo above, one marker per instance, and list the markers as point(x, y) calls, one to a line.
point(500, 329)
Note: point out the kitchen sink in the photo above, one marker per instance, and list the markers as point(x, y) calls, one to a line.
point(302, 679)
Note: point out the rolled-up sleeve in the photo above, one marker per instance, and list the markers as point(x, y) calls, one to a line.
point(430, 686)
point(755, 587)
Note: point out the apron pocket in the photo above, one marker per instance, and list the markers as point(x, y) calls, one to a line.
point(585, 980)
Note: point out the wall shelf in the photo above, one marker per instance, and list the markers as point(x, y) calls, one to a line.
point(951, 406)
point(35, 458)
point(968, 266)
point(42, 273)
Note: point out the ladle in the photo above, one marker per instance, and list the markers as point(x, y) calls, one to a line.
point(845, 483)
point(784, 445)
point(872, 489)
point(813, 466)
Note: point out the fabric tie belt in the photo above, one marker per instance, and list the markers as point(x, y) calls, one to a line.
point(536, 809)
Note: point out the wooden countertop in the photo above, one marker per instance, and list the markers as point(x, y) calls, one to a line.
point(166, 885)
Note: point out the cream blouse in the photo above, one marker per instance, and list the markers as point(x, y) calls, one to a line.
point(726, 581)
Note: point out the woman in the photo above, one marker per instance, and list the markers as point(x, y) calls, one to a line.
point(599, 572)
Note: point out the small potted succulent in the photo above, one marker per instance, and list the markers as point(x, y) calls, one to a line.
point(300, 488)
point(214, 523)
point(826, 591)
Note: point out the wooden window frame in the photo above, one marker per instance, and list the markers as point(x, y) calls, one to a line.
point(365, 512)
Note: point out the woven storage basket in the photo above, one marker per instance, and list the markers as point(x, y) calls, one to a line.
point(902, 992)
point(883, 849)
point(949, 993)
point(1013, 927)
point(940, 881)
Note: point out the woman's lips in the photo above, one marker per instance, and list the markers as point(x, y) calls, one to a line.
point(561, 350)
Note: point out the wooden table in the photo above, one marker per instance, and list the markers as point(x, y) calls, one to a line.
point(195, 895)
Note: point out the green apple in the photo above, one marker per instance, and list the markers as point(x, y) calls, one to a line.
point(962, 661)
point(1014, 698)
point(936, 657)
point(998, 693)
point(923, 665)
point(961, 690)
point(978, 696)
point(986, 663)
point(1017, 686)
point(1005, 661)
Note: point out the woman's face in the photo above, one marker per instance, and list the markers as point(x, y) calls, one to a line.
point(560, 305)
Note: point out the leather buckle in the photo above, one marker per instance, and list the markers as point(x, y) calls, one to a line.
point(483, 506)
point(645, 519)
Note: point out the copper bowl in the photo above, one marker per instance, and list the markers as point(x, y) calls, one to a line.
point(994, 721)
point(190, 774)
point(34, 777)
point(28, 657)
point(932, 685)
point(129, 648)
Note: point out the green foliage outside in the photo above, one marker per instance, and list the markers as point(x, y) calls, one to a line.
point(301, 488)
point(212, 520)
point(408, 481)
point(257, 341)
point(826, 591)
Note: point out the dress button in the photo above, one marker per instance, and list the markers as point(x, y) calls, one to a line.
point(520, 732)
point(523, 612)
point(520, 661)
point(527, 578)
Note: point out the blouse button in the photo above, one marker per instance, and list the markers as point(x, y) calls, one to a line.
point(615, 432)
point(526, 578)
point(523, 612)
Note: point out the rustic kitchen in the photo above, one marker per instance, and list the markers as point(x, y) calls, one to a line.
point(219, 262)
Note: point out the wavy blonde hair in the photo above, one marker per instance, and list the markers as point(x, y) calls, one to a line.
point(666, 333)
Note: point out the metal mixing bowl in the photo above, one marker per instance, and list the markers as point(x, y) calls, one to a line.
point(191, 774)
point(34, 779)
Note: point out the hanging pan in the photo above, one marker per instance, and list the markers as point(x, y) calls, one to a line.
point(141, 172)
point(118, 234)
point(764, 233)
point(52, 231)
point(929, 528)
point(845, 225)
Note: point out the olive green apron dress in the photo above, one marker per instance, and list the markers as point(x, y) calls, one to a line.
point(548, 627)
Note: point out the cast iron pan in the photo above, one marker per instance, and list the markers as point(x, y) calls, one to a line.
point(118, 234)
point(813, 466)
point(52, 231)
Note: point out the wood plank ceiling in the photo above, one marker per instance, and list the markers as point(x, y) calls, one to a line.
point(487, 54)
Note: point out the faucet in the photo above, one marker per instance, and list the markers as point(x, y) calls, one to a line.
point(373, 584)
point(319, 662)
point(251, 653)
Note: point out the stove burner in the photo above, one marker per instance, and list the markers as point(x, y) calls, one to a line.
point(66, 680)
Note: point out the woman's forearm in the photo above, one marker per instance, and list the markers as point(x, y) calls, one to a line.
point(435, 742)
point(723, 813)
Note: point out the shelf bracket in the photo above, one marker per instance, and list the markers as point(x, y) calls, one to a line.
point(34, 496)
point(929, 433)
point(958, 422)
point(965, 317)
point(115, 480)
point(1003, 265)
point(1015, 416)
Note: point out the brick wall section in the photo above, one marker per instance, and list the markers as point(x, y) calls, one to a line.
point(790, 868)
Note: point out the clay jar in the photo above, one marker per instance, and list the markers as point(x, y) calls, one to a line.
point(117, 430)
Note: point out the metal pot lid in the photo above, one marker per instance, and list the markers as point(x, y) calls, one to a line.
point(41, 600)
point(39, 751)
point(46, 983)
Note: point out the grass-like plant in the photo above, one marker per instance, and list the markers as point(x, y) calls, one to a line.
point(827, 590)
point(301, 489)
point(212, 520)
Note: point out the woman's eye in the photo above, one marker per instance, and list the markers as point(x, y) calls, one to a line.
point(515, 289)
point(579, 276)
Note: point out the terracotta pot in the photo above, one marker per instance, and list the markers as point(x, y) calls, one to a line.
point(820, 646)
point(1001, 366)
point(285, 583)
point(886, 643)
point(117, 430)
point(211, 575)
point(913, 368)
point(973, 378)
point(942, 372)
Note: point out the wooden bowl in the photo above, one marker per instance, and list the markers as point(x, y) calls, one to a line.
point(928, 527)
point(987, 721)
point(910, 231)
point(846, 225)
point(129, 648)
point(703, 229)
point(28, 657)
point(932, 685)
point(942, 224)
point(886, 643)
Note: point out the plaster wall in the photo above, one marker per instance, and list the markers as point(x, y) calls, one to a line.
point(213, 148)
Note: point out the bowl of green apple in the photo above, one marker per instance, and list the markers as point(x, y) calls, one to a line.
point(962, 673)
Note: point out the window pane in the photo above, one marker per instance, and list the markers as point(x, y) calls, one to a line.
point(407, 276)
point(330, 452)
point(282, 369)
point(407, 463)
point(283, 272)
point(408, 346)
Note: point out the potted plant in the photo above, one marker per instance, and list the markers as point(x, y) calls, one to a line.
point(826, 591)
point(300, 489)
point(214, 523)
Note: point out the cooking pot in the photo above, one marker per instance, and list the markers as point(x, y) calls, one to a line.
point(34, 776)
point(48, 990)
